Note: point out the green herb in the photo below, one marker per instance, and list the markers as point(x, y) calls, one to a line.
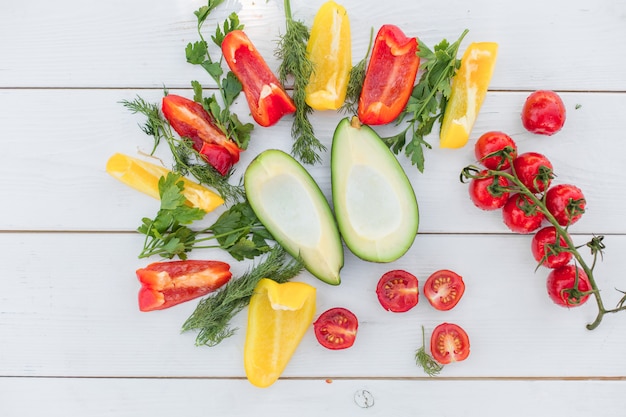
point(237, 230)
point(428, 100)
point(423, 359)
point(213, 314)
point(294, 62)
point(355, 82)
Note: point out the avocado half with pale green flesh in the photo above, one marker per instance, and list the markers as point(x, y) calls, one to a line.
point(290, 204)
point(374, 202)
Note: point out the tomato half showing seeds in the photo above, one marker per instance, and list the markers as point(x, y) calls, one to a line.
point(566, 203)
point(521, 215)
point(490, 150)
point(398, 291)
point(533, 170)
point(336, 328)
point(561, 283)
point(543, 112)
point(546, 251)
point(489, 192)
point(449, 343)
point(444, 289)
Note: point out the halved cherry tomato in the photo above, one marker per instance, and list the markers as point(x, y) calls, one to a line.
point(449, 343)
point(561, 282)
point(486, 193)
point(521, 215)
point(490, 143)
point(534, 170)
point(398, 291)
point(566, 203)
point(444, 289)
point(545, 249)
point(543, 112)
point(336, 328)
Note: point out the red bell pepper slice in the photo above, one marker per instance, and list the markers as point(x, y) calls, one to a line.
point(165, 284)
point(389, 78)
point(189, 119)
point(267, 99)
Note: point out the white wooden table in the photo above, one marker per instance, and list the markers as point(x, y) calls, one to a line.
point(72, 340)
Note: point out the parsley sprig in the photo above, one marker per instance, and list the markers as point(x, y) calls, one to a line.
point(428, 100)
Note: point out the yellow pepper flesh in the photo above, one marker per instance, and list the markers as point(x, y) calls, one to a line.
point(330, 51)
point(278, 317)
point(469, 87)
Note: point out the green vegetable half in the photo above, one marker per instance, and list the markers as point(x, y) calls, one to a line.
point(374, 201)
point(292, 207)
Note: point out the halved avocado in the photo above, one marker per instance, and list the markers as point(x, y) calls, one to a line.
point(374, 202)
point(292, 207)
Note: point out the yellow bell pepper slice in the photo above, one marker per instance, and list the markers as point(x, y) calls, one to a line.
point(330, 51)
point(469, 87)
point(278, 317)
point(144, 176)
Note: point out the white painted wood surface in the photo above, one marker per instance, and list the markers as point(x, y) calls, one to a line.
point(70, 330)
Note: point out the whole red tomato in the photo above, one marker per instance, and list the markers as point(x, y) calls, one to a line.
point(546, 251)
point(543, 113)
point(566, 203)
point(561, 282)
point(490, 143)
point(521, 215)
point(486, 193)
point(533, 170)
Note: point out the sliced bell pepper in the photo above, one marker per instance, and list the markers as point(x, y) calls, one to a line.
point(165, 284)
point(278, 317)
point(329, 50)
point(267, 99)
point(144, 176)
point(468, 90)
point(189, 119)
point(389, 77)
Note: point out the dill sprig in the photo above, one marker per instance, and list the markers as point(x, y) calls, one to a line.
point(423, 359)
point(291, 51)
point(213, 314)
point(355, 82)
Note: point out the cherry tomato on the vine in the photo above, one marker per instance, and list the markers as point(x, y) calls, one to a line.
point(533, 170)
point(521, 215)
point(336, 328)
point(546, 251)
point(486, 193)
point(560, 284)
point(490, 143)
point(449, 343)
point(543, 112)
point(566, 203)
point(398, 291)
point(444, 289)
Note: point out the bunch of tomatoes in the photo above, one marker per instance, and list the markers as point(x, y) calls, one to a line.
point(520, 185)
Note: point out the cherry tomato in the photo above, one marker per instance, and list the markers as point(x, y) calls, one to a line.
point(561, 282)
point(544, 243)
point(485, 194)
point(521, 215)
point(398, 291)
point(566, 203)
point(449, 343)
point(444, 289)
point(490, 143)
point(533, 170)
point(543, 113)
point(336, 328)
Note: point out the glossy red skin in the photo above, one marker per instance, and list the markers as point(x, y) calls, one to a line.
point(389, 77)
point(449, 343)
point(547, 236)
point(444, 289)
point(543, 112)
point(482, 197)
point(189, 119)
point(491, 142)
point(267, 99)
point(166, 284)
point(558, 199)
point(527, 167)
point(336, 328)
point(516, 219)
point(563, 278)
point(398, 291)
